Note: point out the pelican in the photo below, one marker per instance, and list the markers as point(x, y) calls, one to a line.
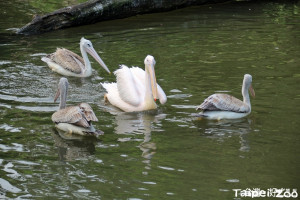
point(73, 119)
point(224, 106)
point(135, 89)
point(67, 63)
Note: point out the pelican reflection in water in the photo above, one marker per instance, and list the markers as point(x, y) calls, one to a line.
point(135, 89)
point(224, 106)
point(73, 119)
point(221, 130)
point(72, 147)
point(137, 123)
point(67, 63)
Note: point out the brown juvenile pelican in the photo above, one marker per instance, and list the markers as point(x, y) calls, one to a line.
point(73, 119)
point(67, 63)
point(224, 106)
point(136, 89)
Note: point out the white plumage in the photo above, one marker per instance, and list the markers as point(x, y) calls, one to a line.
point(135, 89)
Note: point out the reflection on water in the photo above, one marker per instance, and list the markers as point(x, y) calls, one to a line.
point(224, 129)
point(72, 147)
point(144, 123)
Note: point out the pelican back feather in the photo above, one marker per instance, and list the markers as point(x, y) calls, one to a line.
point(68, 60)
point(71, 115)
point(88, 112)
point(223, 102)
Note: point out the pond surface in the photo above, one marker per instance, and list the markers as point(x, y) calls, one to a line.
point(162, 154)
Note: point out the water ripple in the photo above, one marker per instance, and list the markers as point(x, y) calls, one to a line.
point(38, 108)
point(4, 62)
point(166, 168)
point(26, 99)
point(9, 187)
point(9, 128)
point(15, 147)
point(149, 183)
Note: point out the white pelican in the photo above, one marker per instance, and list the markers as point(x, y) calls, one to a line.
point(224, 106)
point(136, 89)
point(73, 119)
point(67, 63)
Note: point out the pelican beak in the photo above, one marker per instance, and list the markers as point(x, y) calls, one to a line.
point(57, 95)
point(153, 81)
point(252, 92)
point(95, 55)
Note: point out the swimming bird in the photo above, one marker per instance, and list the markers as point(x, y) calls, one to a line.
point(135, 89)
point(224, 106)
point(68, 63)
point(73, 119)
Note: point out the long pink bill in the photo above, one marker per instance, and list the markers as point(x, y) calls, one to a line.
point(153, 81)
point(95, 55)
point(57, 95)
point(252, 92)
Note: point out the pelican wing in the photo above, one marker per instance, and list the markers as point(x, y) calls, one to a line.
point(114, 97)
point(71, 115)
point(88, 112)
point(140, 74)
point(223, 102)
point(129, 87)
point(68, 60)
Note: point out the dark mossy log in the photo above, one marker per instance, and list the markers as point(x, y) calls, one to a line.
point(99, 10)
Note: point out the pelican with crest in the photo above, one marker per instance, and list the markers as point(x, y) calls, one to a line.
point(73, 119)
point(68, 63)
point(135, 89)
point(224, 106)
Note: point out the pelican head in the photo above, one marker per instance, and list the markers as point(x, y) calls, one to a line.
point(87, 46)
point(149, 68)
point(62, 92)
point(247, 84)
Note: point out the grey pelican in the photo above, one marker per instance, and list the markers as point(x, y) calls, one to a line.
point(67, 63)
point(224, 106)
point(73, 119)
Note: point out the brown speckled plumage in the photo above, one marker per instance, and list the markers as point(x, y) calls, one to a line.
point(69, 60)
point(80, 115)
point(223, 102)
point(224, 106)
point(73, 119)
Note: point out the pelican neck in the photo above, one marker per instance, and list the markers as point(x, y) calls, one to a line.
point(87, 64)
point(245, 93)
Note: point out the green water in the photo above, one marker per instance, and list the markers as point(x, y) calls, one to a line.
point(162, 154)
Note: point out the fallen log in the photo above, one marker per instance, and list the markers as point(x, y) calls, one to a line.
point(99, 10)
